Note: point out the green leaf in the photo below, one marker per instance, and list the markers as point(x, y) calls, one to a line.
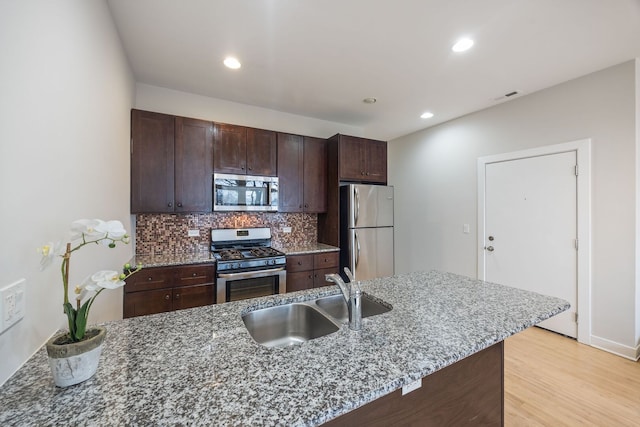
point(81, 320)
point(71, 317)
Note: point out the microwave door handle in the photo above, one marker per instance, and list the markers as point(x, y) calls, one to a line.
point(250, 274)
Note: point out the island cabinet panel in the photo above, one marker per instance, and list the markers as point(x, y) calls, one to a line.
point(162, 289)
point(244, 151)
point(467, 393)
point(302, 172)
point(308, 271)
point(171, 163)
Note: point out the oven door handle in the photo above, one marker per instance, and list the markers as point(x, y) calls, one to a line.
point(250, 274)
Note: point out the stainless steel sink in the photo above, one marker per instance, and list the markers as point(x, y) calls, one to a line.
point(295, 323)
point(336, 307)
point(287, 324)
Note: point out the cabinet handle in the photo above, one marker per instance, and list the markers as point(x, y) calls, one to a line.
point(177, 296)
point(362, 173)
point(170, 204)
point(149, 278)
point(249, 168)
point(299, 262)
point(194, 274)
point(179, 205)
point(311, 276)
point(167, 296)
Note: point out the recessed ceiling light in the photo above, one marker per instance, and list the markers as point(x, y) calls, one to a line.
point(369, 100)
point(426, 115)
point(232, 63)
point(462, 45)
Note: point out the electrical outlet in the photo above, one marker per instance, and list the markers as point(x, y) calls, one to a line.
point(193, 233)
point(286, 229)
point(411, 387)
point(13, 304)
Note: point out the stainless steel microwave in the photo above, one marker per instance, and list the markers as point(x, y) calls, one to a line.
point(245, 193)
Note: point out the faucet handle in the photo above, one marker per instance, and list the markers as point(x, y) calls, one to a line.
point(349, 274)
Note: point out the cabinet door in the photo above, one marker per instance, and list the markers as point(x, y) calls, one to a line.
point(376, 156)
point(351, 158)
point(152, 179)
point(318, 276)
point(261, 152)
point(299, 281)
point(229, 149)
point(147, 302)
point(193, 296)
point(193, 165)
point(315, 175)
point(290, 173)
point(299, 263)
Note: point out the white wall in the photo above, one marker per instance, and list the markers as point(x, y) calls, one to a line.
point(158, 99)
point(64, 154)
point(434, 172)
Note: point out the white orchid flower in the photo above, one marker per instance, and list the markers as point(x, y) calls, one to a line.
point(113, 229)
point(49, 250)
point(107, 279)
point(87, 227)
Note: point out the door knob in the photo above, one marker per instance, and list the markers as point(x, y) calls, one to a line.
point(489, 248)
point(491, 238)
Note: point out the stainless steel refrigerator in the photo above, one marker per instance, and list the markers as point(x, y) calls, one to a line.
point(366, 230)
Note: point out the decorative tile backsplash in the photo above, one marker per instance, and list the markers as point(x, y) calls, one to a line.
point(167, 233)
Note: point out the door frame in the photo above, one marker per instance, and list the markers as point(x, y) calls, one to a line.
point(583, 191)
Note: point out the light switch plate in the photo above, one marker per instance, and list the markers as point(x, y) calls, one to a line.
point(12, 304)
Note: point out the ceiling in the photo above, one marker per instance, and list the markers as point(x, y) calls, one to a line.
point(322, 58)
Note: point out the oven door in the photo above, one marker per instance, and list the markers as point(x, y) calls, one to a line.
point(250, 284)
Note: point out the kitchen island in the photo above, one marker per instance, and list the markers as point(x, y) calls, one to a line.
point(201, 367)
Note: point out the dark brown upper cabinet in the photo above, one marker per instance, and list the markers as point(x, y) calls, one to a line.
point(362, 160)
point(244, 151)
point(171, 163)
point(302, 172)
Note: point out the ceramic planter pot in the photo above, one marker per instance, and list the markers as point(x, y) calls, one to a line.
point(74, 362)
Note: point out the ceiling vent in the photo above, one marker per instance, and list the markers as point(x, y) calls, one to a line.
point(510, 95)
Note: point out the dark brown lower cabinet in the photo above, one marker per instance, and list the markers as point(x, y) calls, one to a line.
point(467, 393)
point(162, 289)
point(308, 271)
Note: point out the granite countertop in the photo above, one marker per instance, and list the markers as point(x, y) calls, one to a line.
point(303, 249)
point(200, 366)
point(166, 260)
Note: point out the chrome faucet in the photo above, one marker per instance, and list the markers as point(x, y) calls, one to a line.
point(352, 296)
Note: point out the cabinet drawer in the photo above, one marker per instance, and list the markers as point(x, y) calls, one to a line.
point(147, 302)
point(299, 263)
point(195, 274)
point(150, 278)
point(193, 296)
point(326, 260)
point(299, 281)
point(318, 276)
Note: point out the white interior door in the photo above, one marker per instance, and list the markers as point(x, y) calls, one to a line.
point(531, 230)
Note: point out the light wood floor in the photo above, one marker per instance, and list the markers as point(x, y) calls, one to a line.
point(551, 380)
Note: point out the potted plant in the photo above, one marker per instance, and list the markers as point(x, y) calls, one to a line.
point(74, 355)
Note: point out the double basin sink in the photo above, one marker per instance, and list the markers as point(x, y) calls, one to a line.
point(298, 322)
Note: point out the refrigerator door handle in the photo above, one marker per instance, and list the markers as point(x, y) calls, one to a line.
point(356, 213)
point(357, 250)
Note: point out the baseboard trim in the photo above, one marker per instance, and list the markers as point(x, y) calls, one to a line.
point(631, 353)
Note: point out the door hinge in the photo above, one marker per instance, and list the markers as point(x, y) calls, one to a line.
point(575, 317)
point(576, 243)
point(576, 170)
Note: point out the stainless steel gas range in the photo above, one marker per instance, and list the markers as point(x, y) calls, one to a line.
point(247, 265)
